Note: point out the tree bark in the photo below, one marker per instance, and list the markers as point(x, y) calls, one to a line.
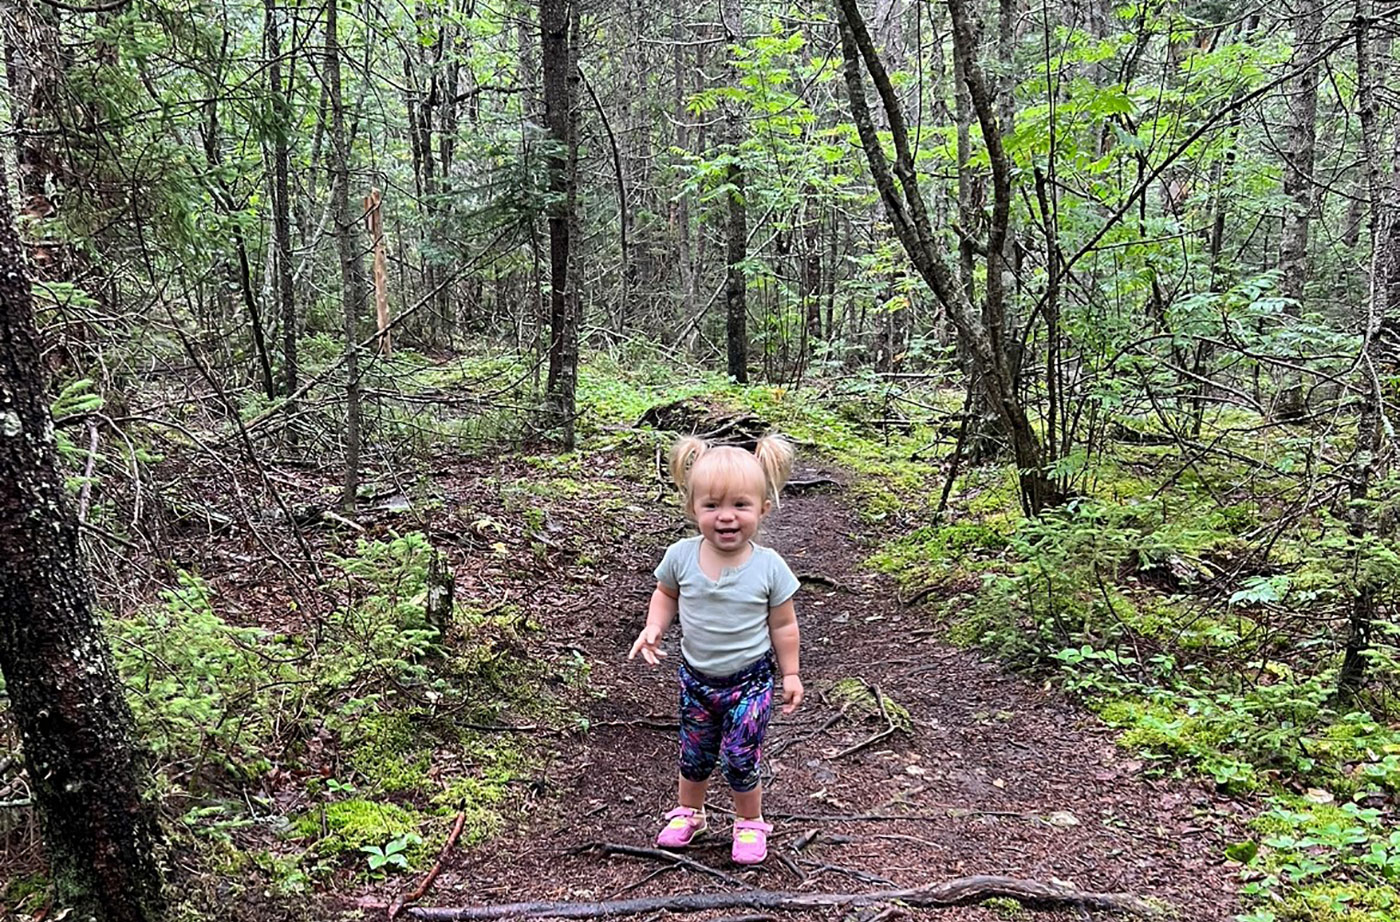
point(557, 59)
point(1367, 461)
point(281, 200)
point(682, 206)
point(957, 892)
point(737, 226)
point(352, 279)
point(981, 335)
point(1298, 187)
point(76, 729)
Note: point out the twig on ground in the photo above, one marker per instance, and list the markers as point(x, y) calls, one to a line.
point(819, 867)
point(805, 839)
point(400, 902)
point(618, 848)
point(546, 728)
point(853, 817)
point(891, 728)
point(783, 745)
point(787, 862)
point(889, 912)
point(918, 596)
point(802, 486)
point(901, 837)
point(652, 876)
point(824, 580)
point(962, 891)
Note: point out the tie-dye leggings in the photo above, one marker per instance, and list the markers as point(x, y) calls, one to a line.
point(724, 720)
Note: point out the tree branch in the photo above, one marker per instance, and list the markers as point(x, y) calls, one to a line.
point(962, 891)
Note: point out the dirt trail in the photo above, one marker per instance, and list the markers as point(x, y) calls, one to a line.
point(997, 776)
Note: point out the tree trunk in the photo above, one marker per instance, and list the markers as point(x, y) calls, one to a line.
point(75, 727)
point(982, 335)
point(556, 57)
point(684, 262)
point(352, 279)
point(1367, 462)
point(1298, 188)
point(281, 200)
point(737, 227)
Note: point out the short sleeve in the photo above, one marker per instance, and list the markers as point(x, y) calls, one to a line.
point(668, 570)
point(782, 584)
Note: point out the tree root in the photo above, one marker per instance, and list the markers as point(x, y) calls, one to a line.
point(671, 858)
point(959, 892)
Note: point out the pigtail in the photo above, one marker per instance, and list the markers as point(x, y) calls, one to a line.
point(774, 455)
point(683, 457)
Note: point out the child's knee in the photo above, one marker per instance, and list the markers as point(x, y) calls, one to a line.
point(697, 767)
point(741, 779)
point(740, 768)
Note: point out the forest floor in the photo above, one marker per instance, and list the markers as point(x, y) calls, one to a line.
point(989, 774)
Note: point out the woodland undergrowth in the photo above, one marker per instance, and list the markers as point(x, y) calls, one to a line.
point(317, 741)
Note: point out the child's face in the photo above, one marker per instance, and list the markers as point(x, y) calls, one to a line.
point(729, 520)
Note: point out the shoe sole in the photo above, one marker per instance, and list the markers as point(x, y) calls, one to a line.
point(699, 833)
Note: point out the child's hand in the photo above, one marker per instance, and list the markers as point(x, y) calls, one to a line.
point(792, 693)
point(648, 644)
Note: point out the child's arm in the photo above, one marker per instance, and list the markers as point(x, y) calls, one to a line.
point(660, 614)
point(782, 627)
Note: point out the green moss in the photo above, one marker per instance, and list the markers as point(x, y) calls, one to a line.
point(938, 551)
point(352, 824)
point(22, 888)
point(1338, 903)
point(859, 698)
point(392, 753)
point(1006, 908)
point(477, 798)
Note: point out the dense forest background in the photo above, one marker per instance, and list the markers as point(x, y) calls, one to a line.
point(1095, 300)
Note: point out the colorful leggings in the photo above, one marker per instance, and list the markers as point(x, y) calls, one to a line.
point(724, 720)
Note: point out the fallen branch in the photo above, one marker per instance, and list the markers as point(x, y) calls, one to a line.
point(865, 877)
point(824, 580)
point(798, 487)
point(399, 902)
point(891, 728)
point(617, 848)
point(959, 892)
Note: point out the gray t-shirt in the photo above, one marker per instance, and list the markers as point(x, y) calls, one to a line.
point(724, 622)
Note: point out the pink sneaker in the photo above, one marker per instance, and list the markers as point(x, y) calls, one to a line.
point(684, 827)
point(750, 841)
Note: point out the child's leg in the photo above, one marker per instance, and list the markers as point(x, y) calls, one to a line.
point(744, 728)
point(745, 725)
point(700, 730)
point(692, 794)
point(749, 804)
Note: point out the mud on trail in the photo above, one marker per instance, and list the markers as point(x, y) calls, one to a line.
point(969, 769)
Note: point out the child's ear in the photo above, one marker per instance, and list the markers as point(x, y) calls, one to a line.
point(767, 508)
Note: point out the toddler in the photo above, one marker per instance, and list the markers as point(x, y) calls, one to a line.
point(738, 632)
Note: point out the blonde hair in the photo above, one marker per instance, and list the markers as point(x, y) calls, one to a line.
point(693, 460)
